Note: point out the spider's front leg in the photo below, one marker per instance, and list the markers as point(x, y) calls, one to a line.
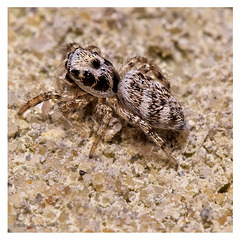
point(38, 99)
point(143, 125)
point(149, 66)
point(106, 112)
point(75, 103)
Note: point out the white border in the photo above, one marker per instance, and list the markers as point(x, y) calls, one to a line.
point(129, 3)
point(236, 120)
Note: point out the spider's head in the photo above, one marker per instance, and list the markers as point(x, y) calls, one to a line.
point(91, 72)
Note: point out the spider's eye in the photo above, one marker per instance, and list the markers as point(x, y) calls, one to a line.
point(68, 78)
point(66, 63)
point(102, 84)
point(87, 74)
point(108, 63)
point(89, 79)
point(75, 73)
point(69, 54)
point(96, 63)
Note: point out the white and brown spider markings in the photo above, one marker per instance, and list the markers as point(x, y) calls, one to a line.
point(134, 95)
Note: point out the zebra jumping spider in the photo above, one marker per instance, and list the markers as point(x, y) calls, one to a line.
point(142, 100)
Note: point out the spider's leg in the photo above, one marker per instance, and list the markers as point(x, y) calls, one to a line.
point(155, 138)
point(38, 99)
point(73, 104)
point(156, 72)
point(106, 112)
point(143, 125)
point(131, 63)
point(149, 66)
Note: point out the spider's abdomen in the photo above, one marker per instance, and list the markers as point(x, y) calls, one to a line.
point(151, 101)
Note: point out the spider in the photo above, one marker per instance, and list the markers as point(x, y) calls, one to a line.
point(143, 100)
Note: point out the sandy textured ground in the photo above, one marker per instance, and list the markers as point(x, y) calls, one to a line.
point(129, 186)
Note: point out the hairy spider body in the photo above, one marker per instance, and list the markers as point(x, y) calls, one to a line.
point(151, 101)
point(134, 95)
point(91, 72)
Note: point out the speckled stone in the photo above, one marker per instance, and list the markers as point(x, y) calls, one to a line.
point(129, 185)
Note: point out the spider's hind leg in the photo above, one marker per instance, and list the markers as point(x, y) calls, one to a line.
point(142, 124)
point(156, 72)
point(147, 67)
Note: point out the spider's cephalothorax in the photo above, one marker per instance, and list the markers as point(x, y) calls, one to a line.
point(91, 72)
point(141, 99)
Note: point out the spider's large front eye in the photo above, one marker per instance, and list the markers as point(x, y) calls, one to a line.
point(96, 63)
point(102, 84)
point(87, 74)
point(88, 79)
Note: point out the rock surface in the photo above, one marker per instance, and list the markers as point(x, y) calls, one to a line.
point(129, 186)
